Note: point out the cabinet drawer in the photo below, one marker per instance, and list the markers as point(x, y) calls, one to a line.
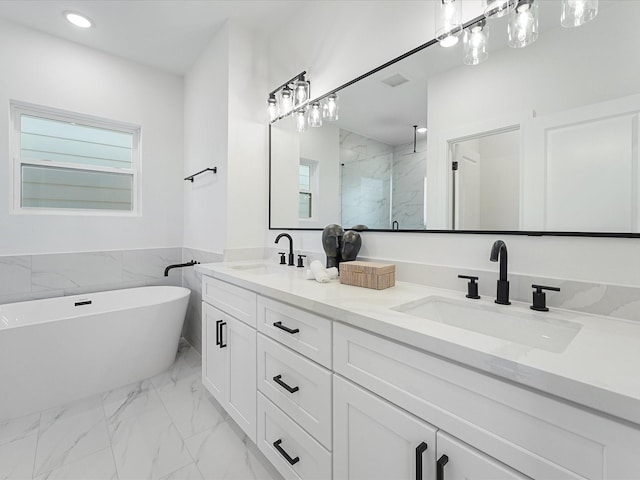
point(303, 331)
point(310, 460)
point(537, 435)
point(281, 370)
point(235, 301)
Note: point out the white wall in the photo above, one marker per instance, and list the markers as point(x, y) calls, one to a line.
point(44, 70)
point(248, 139)
point(206, 127)
point(342, 42)
point(225, 126)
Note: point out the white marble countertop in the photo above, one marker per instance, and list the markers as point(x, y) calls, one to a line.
point(598, 368)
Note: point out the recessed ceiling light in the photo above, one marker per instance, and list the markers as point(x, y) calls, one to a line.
point(78, 20)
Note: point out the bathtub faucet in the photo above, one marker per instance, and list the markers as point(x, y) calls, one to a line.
point(179, 265)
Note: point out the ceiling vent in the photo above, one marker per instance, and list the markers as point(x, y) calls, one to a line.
point(395, 80)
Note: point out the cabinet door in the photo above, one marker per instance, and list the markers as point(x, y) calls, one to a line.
point(374, 439)
point(241, 405)
point(458, 461)
point(215, 354)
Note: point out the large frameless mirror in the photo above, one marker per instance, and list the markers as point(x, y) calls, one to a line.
point(539, 139)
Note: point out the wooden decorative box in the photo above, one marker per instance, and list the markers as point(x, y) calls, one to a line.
point(368, 274)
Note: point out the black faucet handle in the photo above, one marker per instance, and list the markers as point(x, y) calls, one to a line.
point(540, 298)
point(300, 261)
point(472, 286)
point(283, 260)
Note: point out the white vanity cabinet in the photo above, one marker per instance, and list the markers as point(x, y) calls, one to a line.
point(322, 399)
point(229, 350)
point(294, 390)
point(455, 460)
point(495, 422)
point(375, 439)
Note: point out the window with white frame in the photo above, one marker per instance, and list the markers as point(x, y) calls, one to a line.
point(66, 162)
point(305, 190)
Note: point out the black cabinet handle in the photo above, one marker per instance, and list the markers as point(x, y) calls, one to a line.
point(442, 461)
point(292, 461)
point(289, 389)
point(420, 449)
point(222, 344)
point(218, 331)
point(286, 329)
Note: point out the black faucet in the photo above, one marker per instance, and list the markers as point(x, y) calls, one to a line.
point(290, 246)
point(179, 265)
point(499, 250)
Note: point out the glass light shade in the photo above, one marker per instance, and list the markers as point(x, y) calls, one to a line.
point(448, 22)
point(286, 101)
point(523, 24)
point(499, 8)
point(301, 120)
point(475, 44)
point(330, 108)
point(272, 106)
point(578, 12)
point(301, 91)
point(315, 115)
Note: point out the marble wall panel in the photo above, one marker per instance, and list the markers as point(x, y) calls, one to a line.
point(192, 328)
point(73, 270)
point(15, 274)
point(149, 264)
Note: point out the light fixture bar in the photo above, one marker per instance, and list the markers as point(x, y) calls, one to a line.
point(288, 82)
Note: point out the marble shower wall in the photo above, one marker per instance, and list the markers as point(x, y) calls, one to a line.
point(366, 181)
point(409, 173)
point(31, 277)
point(381, 183)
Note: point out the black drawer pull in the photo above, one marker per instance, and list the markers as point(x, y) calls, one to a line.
point(292, 461)
point(442, 461)
point(222, 344)
point(420, 449)
point(286, 329)
point(289, 389)
point(218, 322)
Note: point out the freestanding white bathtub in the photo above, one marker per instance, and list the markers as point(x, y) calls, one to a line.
point(57, 350)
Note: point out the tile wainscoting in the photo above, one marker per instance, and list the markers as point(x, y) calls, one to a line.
point(31, 277)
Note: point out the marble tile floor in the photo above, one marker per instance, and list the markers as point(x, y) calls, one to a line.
point(167, 427)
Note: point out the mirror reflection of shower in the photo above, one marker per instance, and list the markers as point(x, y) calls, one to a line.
point(383, 186)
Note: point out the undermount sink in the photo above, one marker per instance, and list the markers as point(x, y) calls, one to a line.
point(259, 268)
point(532, 329)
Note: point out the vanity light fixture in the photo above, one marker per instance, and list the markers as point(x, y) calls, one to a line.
point(288, 97)
point(578, 12)
point(330, 107)
point(78, 20)
point(475, 43)
point(301, 119)
point(272, 107)
point(498, 8)
point(448, 22)
point(315, 115)
point(301, 90)
point(286, 101)
point(421, 129)
point(523, 24)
